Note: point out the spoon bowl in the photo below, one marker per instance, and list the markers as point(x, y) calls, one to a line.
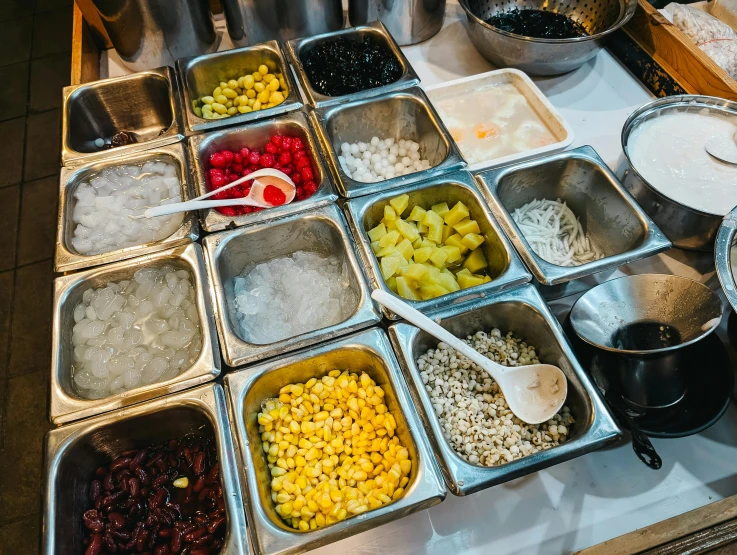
point(723, 149)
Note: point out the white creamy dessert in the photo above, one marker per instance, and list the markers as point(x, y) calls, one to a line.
point(668, 152)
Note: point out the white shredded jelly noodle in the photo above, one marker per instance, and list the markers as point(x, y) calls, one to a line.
point(135, 332)
point(105, 203)
point(472, 410)
point(554, 233)
point(292, 295)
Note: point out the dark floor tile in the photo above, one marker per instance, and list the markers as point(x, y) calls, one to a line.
point(45, 5)
point(52, 32)
point(6, 309)
point(15, 40)
point(21, 537)
point(37, 229)
point(12, 133)
point(30, 332)
point(48, 76)
point(14, 83)
point(21, 459)
point(9, 212)
point(13, 9)
point(43, 145)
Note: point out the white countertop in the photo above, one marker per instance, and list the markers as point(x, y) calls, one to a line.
point(601, 495)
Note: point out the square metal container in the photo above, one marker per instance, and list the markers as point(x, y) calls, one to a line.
point(144, 102)
point(523, 312)
point(66, 405)
point(369, 352)
point(321, 230)
point(299, 47)
point(201, 75)
point(66, 258)
point(257, 135)
point(74, 452)
point(366, 212)
point(407, 114)
point(611, 218)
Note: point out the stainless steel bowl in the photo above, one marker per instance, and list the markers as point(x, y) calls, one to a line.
point(724, 248)
point(505, 267)
point(524, 313)
point(686, 227)
point(67, 258)
point(256, 135)
point(74, 452)
point(321, 230)
point(368, 352)
point(144, 103)
point(408, 21)
point(200, 75)
point(404, 114)
point(65, 404)
point(580, 178)
point(545, 56)
point(298, 47)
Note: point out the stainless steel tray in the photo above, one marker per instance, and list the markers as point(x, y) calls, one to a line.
point(256, 135)
point(366, 212)
point(297, 47)
point(74, 452)
point(66, 405)
point(407, 114)
point(200, 76)
point(321, 229)
point(523, 312)
point(367, 351)
point(580, 178)
point(67, 258)
point(143, 102)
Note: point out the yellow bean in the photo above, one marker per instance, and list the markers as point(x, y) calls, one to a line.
point(263, 70)
point(219, 108)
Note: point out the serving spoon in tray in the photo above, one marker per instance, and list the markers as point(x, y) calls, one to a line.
point(722, 149)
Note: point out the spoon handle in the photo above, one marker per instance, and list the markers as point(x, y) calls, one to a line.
point(199, 205)
point(423, 322)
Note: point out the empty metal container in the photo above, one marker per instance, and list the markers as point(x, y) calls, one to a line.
point(614, 222)
point(408, 21)
point(254, 21)
point(74, 452)
point(322, 230)
point(149, 33)
point(523, 312)
point(67, 258)
point(505, 267)
point(368, 352)
point(145, 103)
point(257, 135)
point(66, 404)
point(404, 114)
point(200, 75)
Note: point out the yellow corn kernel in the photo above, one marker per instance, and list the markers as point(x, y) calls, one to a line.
point(303, 526)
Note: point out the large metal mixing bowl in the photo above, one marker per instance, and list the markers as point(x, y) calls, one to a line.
point(535, 56)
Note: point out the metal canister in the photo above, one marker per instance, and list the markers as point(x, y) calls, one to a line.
point(149, 33)
point(255, 21)
point(408, 21)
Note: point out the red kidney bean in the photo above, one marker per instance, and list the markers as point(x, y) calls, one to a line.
point(215, 524)
point(121, 535)
point(194, 534)
point(120, 463)
point(138, 459)
point(160, 480)
point(113, 498)
point(162, 550)
point(165, 532)
point(203, 494)
point(158, 498)
point(199, 484)
point(101, 471)
point(93, 521)
point(213, 475)
point(95, 489)
point(176, 541)
point(200, 551)
point(141, 541)
point(187, 452)
point(109, 542)
point(117, 520)
point(203, 540)
point(199, 464)
point(162, 465)
point(134, 487)
point(155, 457)
point(108, 482)
point(96, 545)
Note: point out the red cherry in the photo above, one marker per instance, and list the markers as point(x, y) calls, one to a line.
point(274, 195)
point(228, 211)
point(286, 143)
point(297, 178)
point(287, 171)
point(237, 158)
point(245, 152)
point(228, 155)
point(217, 181)
point(303, 163)
point(254, 157)
point(267, 160)
point(297, 144)
point(217, 160)
point(237, 168)
point(276, 140)
point(271, 148)
point(285, 158)
point(307, 174)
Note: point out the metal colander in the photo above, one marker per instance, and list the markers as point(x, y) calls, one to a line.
point(545, 56)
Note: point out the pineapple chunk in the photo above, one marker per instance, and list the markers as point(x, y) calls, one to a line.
point(435, 233)
point(432, 291)
point(422, 228)
point(416, 272)
point(386, 251)
point(440, 209)
point(427, 243)
point(462, 272)
point(390, 224)
point(390, 264)
point(487, 279)
point(417, 243)
point(375, 247)
point(405, 247)
point(390, 238)
point(458, 213)
point(447, 232)
point(457, 241)
point(400, 204)
point(432, 219)
point(417, 214)
point(407, 229)
point(454, 253)
point(377, 232)
point(468, 280)
point(422, 254)
point(438, 257)
point(467, 226)
point(391, 283)
point(389, 213)
point(405, 290)
point(476, 261)
point(473, 240)
point(448, 282)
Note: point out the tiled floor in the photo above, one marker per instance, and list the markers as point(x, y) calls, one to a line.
point(35, 50)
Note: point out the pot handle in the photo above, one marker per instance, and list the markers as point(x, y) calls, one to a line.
point(643, 448)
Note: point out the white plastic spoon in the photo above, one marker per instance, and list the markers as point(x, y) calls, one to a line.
point(534, 393)
point(723, 148)
point(261, 179)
